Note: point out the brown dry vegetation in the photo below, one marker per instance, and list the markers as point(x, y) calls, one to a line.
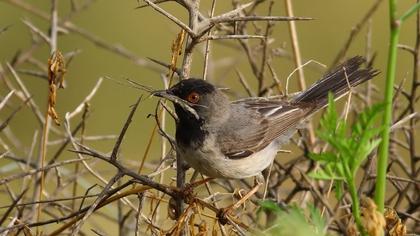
point(62, 183)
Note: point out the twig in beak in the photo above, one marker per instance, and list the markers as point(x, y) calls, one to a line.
point(184, 104)
point(140, 86)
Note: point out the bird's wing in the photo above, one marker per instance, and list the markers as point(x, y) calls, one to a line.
point(256, 122)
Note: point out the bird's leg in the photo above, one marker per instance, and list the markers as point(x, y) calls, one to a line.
point(188, 190)
point(199, 182)
point(258, 181)
point(189, 187)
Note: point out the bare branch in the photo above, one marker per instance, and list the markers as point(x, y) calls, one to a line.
point(222, 37)
point(172, 18)
point(35, 171)
point(6, 99)
point(101, 197)
point(37, 31)
point(124, 130)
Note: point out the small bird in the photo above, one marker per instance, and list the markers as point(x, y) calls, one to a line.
point(239, 139)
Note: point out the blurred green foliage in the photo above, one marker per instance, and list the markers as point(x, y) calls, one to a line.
point(293, 221)
point(349, 150)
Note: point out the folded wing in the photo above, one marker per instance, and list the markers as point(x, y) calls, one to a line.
point(267, 119)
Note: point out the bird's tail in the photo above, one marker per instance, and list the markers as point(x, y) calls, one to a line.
point(338, 82)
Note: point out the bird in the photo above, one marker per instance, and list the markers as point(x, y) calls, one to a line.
point(238, 139)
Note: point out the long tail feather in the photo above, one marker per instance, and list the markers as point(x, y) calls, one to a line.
point(337, 82)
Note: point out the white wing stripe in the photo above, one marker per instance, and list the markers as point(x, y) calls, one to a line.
point(289, 111)
point(272, 111)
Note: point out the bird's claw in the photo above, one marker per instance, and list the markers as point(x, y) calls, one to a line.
point(223, 214)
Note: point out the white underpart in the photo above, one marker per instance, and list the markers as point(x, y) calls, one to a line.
point(215, 164)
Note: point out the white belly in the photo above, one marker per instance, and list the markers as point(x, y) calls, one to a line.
point(214, 164)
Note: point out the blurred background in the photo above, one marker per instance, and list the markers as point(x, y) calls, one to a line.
point(145, 33)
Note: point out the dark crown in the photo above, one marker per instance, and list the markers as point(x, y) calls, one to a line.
point(185, 87)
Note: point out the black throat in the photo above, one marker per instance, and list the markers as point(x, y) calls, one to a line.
point(189, 130)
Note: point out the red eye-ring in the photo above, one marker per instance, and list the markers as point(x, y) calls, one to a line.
point(193, 97)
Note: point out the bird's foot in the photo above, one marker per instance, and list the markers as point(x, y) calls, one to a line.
point(224, 212)
point(187, 192)
point(199, 182)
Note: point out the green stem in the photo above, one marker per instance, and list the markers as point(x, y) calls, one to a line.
point(410, 12)
point(355, 206)
point(349, 175)
point(389, 86)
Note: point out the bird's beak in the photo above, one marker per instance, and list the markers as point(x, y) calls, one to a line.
point(160, 93)
point(167, 94)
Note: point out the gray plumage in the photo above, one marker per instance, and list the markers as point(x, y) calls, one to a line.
point(239, 139)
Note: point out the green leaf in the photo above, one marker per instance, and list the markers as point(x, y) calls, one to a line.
point(339, 169)
point(338, 188)
point(324, 175)
point(326, 156)
point(364, 152)
point(270, 206)
point(316, 218)
point(348, 150)
point(363, 133)
point(296, 222)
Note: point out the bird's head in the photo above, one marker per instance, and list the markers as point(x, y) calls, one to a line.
point(196, 100)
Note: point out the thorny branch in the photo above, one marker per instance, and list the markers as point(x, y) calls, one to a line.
point(238, 26)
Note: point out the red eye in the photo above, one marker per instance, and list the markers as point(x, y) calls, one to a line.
point(193, 97)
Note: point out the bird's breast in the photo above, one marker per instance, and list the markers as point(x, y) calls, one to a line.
point(190, 135)
point(209, 161)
